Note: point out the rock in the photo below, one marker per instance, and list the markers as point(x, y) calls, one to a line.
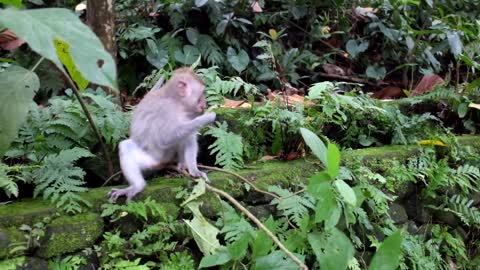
point(397, 213)
point(70, 233)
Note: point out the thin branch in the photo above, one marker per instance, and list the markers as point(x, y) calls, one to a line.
point(258, 223)
point(92, 124)
point(111, 177)
point(37, 64)
point(241, 178)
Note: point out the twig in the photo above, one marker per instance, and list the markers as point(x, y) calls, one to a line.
point(241, 178)
point(111, 177)
point(258, 223)
point(345, 78)
point(92, 124)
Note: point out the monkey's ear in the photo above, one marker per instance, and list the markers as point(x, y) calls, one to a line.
point(182, 88)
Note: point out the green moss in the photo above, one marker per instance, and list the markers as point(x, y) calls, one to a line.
point(70, 233)
point(28, 211)
point(10, 236)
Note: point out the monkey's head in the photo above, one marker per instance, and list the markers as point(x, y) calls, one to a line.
point(189, 89)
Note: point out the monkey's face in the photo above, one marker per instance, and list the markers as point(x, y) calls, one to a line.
point(195, 99)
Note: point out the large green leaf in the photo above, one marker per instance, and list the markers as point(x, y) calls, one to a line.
point(347, 192)
point(276, 260)
point(219, 258)
point(333, 160)
point(262, 244)
point(204, 233)
point(188, 56)
point(40, 27)
point(238, 61)
point(388, 254)
point(316, 145)
point(17, 88)
point(332, 248)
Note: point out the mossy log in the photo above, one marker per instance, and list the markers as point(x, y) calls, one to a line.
point(65, 233)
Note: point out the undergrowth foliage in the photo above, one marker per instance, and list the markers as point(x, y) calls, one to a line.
point(228, 146)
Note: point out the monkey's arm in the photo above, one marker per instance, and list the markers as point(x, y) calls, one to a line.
point(182, 131)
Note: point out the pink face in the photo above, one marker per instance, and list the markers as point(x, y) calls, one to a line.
point(202, 104)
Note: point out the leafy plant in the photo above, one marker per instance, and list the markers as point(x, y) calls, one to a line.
point(228, 146)
point(67, 263)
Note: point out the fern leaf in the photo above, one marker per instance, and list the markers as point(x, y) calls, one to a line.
point(294, 207)
point(228, 146)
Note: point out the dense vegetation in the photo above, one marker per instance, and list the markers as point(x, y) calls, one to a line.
point(289, 80)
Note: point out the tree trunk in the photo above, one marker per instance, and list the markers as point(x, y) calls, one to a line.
point(101, 18)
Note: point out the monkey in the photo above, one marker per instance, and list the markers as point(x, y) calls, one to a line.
point(164, 130)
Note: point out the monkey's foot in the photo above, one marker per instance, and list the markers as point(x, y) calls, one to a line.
point(200, 174)
point(129, 192)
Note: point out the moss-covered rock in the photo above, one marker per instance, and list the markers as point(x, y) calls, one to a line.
point(9, 237)
point(24, 263)
point(70, 233)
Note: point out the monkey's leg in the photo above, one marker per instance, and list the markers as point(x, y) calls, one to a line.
point(188, 154)
point(132, 161)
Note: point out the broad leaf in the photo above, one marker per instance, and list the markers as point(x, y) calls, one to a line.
point(204, 233)
point(316, 145)
point(219, 258)
point(262, 244)
point(333, 160)
point(188, 56)
point(388, 254)
point(200, 3)
point(319, 184)
point(462, 109)
point(238, 61)
point(17, 89)
point(50, 24)
point(355, 47)
point(192, 35)
point(15, 3)
point(347, 192)
point(326, 205)
point(332, 248)
point(63, 52)
point(376, 72)
point(276, 260)
point(238, 249)
point(156, 56)
point(455, 43)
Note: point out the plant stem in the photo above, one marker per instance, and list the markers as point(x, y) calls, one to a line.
point(258, 223)
point(92, 123)
point(241, 178)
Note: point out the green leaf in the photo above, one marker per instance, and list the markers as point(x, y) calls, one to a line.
point(156, 56)
point(317, 91)
point(472, 85)
point(334, 217)
point(17, 89)
point(376, 72)
point(238, 61)
point(219, 258)
point(388, 254)
point(355, 47)
point(319, 184)
point(333, 160)
point(347, 192)
point(238, 249)
point(192, 35)
point(276, 260)
point(462, 109)
point(262, 244)
point(204, 233)
point(15, 3)
point(455, 43)
point(63, 52)
point(332, 248)
point(221, 26)
point(200, 3)
point(315, 144)
point(49, 24)
point(326, 205)
point(188, 56)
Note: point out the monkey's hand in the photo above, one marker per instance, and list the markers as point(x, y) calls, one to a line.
point(128, 192)
point(208, 117)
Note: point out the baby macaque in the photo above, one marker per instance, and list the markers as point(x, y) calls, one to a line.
point(164, 130)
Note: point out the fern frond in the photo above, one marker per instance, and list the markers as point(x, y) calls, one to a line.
point(7, 183)
point(294, 207)
point(464, 209)
point(210, 50)
point(228, 146)
point(58, 179)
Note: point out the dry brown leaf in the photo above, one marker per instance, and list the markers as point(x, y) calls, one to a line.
point(389, 92)
point(267, 158)
point(333, 70)
point(426, 84)
point(230, 103)
point(9, 41)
